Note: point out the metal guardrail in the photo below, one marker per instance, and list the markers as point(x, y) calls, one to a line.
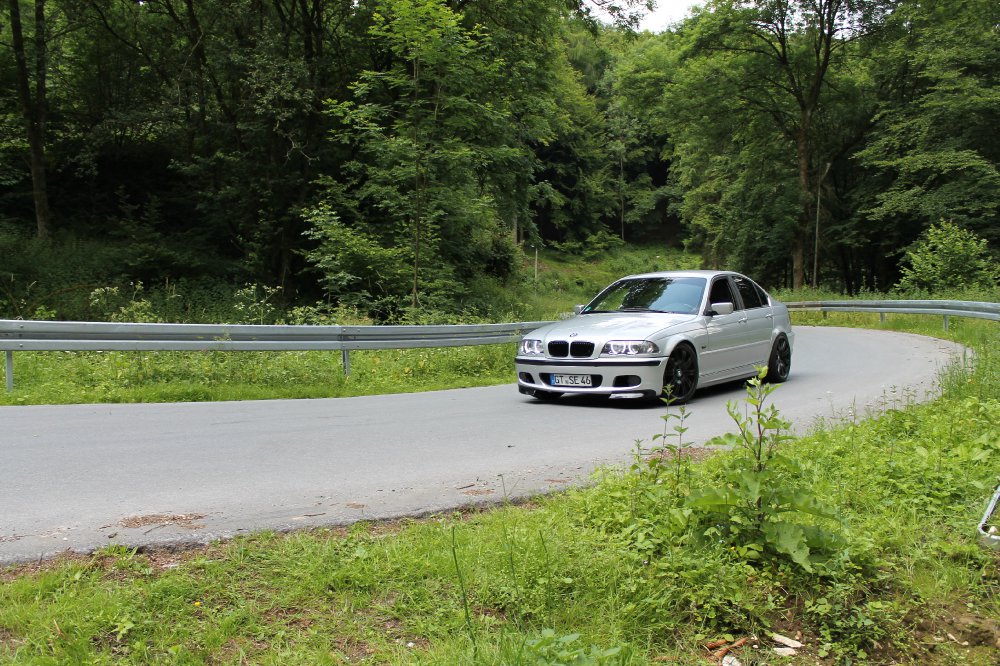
point(977, 309)
point(988, 534)
point(16, 335)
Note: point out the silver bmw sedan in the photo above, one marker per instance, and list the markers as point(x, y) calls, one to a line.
point(660, 334)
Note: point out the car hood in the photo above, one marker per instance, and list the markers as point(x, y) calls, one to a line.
point(601, 327)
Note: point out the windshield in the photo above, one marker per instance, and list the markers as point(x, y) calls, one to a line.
point(681, 295)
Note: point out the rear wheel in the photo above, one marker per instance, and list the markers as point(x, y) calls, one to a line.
point(680, 379)
point(780, 362)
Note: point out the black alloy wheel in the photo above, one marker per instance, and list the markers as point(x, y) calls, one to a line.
point(780, 363)
point(680, 380)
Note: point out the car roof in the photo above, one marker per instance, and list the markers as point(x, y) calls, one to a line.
point(687, 273)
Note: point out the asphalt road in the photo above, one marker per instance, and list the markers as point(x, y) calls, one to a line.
point(80, 477)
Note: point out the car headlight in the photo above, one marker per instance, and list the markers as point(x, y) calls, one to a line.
point(532, 346)
point(629, 348)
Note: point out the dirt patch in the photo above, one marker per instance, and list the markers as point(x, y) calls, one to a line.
point(475, 492)
point(692, 453)
point(161, 560)
point(354, 650)
point(185, 520)
point(7, 638)
point(963, 630)
point(15, 571)
point(396, 631)
point(953, 631)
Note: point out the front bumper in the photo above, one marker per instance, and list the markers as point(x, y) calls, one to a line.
point(608, 376)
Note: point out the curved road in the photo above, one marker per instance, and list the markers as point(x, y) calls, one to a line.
point(81, 477)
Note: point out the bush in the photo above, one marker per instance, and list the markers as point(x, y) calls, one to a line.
point(947, 257)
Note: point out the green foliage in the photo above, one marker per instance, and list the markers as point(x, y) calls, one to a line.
point(356, 270)
point(551, 650)
point(592, 247)
point(431, 133)
point(56, 275)
point(947, 258)
point(933, 149)
point(613, 573)
point(256, 304)
point(762, 96)
point(764, 494)
point(212, 143)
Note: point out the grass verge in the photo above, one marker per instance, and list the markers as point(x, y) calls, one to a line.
point(88, 377)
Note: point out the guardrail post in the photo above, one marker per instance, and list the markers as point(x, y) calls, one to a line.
point(946, 322)
point(345, 354)
point(881, 317)
point(9, 368)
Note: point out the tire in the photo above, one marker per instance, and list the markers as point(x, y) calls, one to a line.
point(546, 395)
point(779, 365)
point(680, 378)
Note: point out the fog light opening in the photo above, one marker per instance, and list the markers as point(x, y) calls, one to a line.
point(627, 381)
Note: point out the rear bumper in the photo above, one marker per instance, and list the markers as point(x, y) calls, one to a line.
point(608, 377)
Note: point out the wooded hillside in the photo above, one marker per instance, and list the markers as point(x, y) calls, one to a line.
point(391, 153)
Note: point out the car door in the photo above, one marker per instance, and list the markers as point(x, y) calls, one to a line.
point(721, 355)
point(759, 321)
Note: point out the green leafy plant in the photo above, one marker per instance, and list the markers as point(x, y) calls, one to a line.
point(758, 507)
point(947, 257)
point(254, 303)
point(552, 650)
point(674, 445)
point(356, 269)
point(593, 246)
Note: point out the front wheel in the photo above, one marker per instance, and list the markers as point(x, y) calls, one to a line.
point(680, 379)
point(780, 362)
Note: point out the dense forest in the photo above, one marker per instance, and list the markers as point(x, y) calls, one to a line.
point(397, 154)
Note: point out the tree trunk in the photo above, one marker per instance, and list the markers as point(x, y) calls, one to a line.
point(798, 261)
point(33, 111)
point(417, 189)
point(805, 196)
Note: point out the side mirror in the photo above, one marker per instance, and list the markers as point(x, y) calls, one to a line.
point(722, 308)
point(577, 309)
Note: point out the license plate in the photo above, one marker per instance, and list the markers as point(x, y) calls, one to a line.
point(572, 380)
